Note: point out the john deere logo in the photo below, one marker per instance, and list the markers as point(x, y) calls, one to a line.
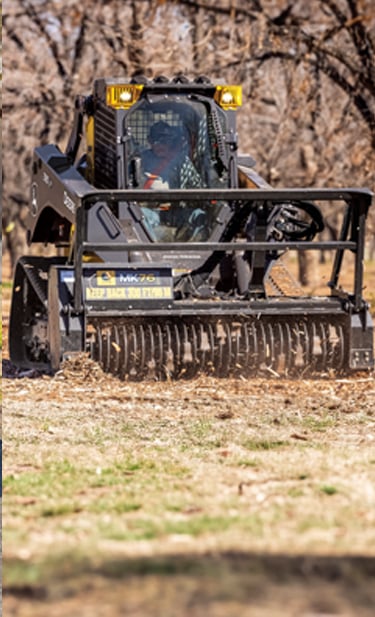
point(106, 278)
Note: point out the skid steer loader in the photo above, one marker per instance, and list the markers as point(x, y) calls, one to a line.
point(171, 264)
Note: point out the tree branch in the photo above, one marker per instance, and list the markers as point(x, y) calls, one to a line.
point(79, 44)
point(321, 63)
point(33, 15)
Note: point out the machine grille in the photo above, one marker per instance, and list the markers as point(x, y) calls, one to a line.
point(105, 148)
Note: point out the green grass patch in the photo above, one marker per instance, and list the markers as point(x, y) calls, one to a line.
point(56, 479)
point(319, 424)
point(296, 492)
point(265, 444)
point(200, 433)
point(60, 509)
point(141, 528)
point(51, 481)
point(129, 485)
point(329, 490)
point(246, 462)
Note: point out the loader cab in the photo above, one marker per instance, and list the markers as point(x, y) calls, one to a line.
point(200, 114)
point(198, 120)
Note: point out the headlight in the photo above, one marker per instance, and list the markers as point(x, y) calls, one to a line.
point(228, 97)
point(123, 96)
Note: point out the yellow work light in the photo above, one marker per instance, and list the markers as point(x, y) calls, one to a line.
point(228, 97)
point(123, 96)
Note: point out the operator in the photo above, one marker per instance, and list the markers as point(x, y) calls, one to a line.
point(165, 166)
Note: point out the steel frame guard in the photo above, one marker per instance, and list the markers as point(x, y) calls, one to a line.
point(358, 202)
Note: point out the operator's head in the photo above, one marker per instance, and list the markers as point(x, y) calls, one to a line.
point(163, 138)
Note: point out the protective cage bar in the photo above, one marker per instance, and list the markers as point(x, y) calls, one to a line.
point(223, 246)
point(274, 195)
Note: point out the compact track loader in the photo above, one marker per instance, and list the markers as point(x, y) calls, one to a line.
point(170, 264)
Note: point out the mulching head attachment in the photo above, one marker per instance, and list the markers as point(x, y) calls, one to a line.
point(173, 348)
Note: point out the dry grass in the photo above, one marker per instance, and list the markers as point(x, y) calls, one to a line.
point(234, 462)
point(100, 472)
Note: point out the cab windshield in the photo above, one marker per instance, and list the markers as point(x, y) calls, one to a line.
point(174, 145)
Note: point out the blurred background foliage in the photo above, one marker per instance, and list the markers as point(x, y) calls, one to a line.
point(307, 71)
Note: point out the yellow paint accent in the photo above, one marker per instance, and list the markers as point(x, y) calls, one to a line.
point(245, 182)
point(91, 258)
point(105, 278)
point(251, 180)
point(95, 293)
point(90, 154)
point(129, 293)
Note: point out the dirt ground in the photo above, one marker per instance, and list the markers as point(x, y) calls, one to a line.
point(214, 498)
